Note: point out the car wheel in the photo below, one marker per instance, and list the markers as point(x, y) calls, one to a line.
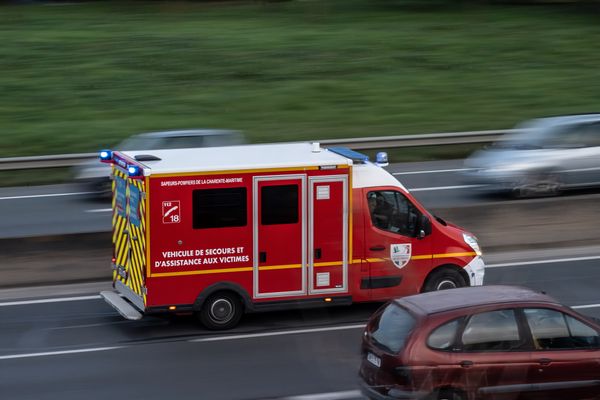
point(538, 185)
point(444, 278)
point(221, 311)
point(450, 394)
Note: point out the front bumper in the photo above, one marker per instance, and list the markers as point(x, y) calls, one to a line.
point(392, 394)
point(476, 271)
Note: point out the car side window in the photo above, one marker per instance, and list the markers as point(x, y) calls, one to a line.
point(590, 135)
point(492, 331)
point(444, 336)
point(391, 211)
point(552, 330)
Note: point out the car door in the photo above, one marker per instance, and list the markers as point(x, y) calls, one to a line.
point(493, 356)
point(566, 358)
point(397, 257)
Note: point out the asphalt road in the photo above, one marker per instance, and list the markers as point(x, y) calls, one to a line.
point(82, 349)
point(67, 209)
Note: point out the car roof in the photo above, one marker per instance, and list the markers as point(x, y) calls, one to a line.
point(188, 132)
point(455, 299)
point(566, 119)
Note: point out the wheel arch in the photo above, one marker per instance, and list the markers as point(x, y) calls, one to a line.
point(223, 287)
point(447, 266)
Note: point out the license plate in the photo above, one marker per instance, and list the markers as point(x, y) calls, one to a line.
point(373, 359)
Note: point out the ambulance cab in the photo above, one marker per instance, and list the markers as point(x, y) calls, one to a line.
point(220, 232)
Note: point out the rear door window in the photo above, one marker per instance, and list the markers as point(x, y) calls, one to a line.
point(492, 331)
point(444, 337)
point(392, 328)
point(551, 329)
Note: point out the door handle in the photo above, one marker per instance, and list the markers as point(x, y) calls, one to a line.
point(466, 363)
point(377, 248)
point(317, 254)
point(545, 361)
point(262, 256)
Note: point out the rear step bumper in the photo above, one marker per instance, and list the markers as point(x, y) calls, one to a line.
point(125, 308)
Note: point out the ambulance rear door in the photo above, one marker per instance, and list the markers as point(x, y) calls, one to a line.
point(129, 236)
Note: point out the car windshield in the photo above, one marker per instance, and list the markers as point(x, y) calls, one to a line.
point(139, 143)
point(392, 327)
point(538, 134)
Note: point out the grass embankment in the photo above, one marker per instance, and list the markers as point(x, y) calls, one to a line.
point(75, 78)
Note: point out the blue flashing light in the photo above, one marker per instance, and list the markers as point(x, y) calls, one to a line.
point(381, 159)
point(106, 155)
point(134, 171)
point(351, 154)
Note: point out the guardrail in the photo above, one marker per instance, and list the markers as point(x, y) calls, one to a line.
point(379, 142)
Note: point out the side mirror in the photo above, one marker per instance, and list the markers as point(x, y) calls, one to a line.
point(424, 228)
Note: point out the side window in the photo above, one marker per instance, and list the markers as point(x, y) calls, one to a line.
point(219, 208)
point(444, 336)
point(392, 212)
point(279, 205)
point(582, 335)
point(183, 142)
point(492, 331)
point(590, 135)
point(552, 329)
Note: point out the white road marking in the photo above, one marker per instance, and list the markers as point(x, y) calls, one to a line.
point(53, 300)
point(280, 333)
point(432, 171)
point(345, 395)
point(556, 260)
point(57, 353)
point(98, 210)
point(443, 188)
point(33, 196)
point(582, 307)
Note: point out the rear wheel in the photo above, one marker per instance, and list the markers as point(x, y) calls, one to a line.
point(221, 311)
point(538, 185)
point(444, 278)
point(450, 394)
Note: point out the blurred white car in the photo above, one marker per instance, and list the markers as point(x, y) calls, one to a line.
point(96, 176)
point(546, 156)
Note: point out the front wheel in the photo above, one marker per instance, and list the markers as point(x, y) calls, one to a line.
point(444, 278)
point(221, 311)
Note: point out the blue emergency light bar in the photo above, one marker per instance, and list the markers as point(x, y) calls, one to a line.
point(355, 156)
point(106, 155)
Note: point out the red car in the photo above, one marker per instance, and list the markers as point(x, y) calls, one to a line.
point(490, 342)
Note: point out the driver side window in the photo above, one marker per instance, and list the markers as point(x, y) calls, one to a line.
point(392, 212)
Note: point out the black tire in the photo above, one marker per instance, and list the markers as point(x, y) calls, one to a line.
point(538, 185)
point(444, 278)
point(450, 394)
point(221, 311)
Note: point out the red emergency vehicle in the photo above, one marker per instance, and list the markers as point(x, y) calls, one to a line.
point(224, 231)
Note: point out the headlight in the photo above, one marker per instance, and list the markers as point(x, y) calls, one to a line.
point(472, 242)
